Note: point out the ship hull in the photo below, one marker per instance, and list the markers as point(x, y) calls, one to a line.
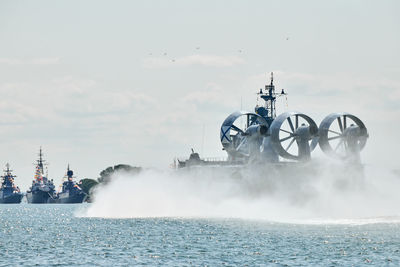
point(70, 199)
point(39, 197)
point(12, 199)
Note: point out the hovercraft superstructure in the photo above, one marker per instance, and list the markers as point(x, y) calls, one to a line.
point(291, 136)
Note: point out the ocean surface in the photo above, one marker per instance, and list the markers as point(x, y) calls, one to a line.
point(55, 235)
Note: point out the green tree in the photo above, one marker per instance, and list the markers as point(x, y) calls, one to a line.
point(106, 174)
point(87, 186)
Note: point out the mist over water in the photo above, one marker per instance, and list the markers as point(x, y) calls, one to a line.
point(317, 192)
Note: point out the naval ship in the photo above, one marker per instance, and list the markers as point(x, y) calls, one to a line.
point(9, 192)
point(70, 191)
point(42, 189)
point(264, 138)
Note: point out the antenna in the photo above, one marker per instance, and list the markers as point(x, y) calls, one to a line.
point(272, 78)
point(202, 140)
point(241, 108)
point(40, 154)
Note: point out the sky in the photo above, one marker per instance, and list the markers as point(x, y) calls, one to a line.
point(98, 83)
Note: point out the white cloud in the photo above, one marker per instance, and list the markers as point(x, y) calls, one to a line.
point(31, 61)
point(202, 60)
point(212, 93)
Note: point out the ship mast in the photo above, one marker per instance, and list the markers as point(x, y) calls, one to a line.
point(70, 173)
point(268, 111)
point(7, 174)
point(7, 171)
point(41, 161)
point(271, 99)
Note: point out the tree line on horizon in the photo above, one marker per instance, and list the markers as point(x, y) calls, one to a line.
point(88, 185)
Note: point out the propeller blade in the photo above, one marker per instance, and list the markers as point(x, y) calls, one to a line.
point(290, 144)
point(290, 124)
point(241, 144)
point(334, 132)
point(337, 146)
point(340, 124)
point(236, 129)
point(286, 138)
point(335, 137)
point(287, 132)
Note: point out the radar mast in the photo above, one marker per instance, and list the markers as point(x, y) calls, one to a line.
point(268, 111)
point(41, 161)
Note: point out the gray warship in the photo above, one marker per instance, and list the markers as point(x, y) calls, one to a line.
point(263, 138)
point(70, 191)
point(9, 192)
point(42, 190)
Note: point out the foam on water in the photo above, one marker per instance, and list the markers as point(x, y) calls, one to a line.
point(318, 193)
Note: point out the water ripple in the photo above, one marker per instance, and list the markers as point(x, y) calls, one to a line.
point(50, 235)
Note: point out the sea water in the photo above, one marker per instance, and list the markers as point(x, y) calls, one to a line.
point(55, 235)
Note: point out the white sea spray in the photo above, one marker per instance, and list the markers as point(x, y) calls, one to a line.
point(318, 192)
